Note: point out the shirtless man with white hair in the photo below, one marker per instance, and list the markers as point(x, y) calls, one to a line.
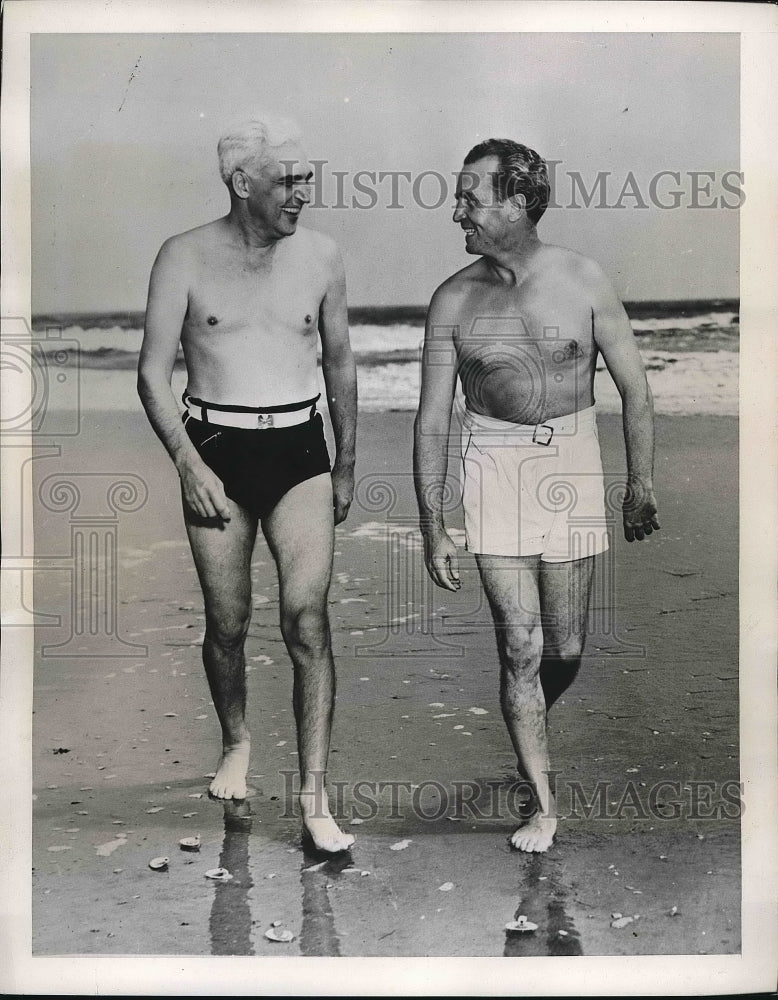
point(245, 296)
point(522, 326)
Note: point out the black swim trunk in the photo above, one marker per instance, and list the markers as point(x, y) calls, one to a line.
point(259, 467)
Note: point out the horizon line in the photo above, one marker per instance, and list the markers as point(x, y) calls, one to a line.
point(416, 310)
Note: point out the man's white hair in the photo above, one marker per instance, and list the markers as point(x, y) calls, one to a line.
point(246, 145)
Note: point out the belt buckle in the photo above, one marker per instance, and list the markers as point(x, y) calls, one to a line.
point(264, 421)
point(545, 427)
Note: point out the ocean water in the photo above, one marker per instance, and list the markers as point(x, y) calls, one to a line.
point(690, 350)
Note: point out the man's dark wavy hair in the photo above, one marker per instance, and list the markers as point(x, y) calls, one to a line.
point(521, 171)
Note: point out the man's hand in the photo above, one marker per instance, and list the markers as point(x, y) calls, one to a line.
point(342, 490)
point(203, 492)
point(639, 511)
point(440, 558)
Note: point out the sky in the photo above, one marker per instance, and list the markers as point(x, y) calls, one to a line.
point(124, 130)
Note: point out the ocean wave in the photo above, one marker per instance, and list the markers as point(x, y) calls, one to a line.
point(374, 344)
point(413, 315)
point(682, 383)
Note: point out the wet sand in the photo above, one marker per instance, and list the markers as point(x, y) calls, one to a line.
point(122, 741)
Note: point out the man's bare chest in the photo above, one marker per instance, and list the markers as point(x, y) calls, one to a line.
point(555, 333)
point(229, 303)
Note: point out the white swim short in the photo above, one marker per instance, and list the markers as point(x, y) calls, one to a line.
point(533, 489)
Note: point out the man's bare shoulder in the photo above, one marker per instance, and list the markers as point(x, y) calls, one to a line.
point(319, 253)
point(196, 240)
point(572, 277)
point(570, 263)
point(317, 243)
point(450, 299)
point(459, 285)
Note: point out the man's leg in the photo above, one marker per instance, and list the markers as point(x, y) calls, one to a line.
point(564, 599)
point(300, 533)
point(511, 586)
point(222, 555)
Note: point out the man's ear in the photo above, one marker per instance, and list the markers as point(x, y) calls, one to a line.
point(517, 207)
point(240, 184)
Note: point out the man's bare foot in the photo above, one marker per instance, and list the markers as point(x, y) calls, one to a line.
point(535, 836)
point(319, 825)
point(230, 779)
point(528, 805)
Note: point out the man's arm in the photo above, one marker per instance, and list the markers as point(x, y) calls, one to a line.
point(616, 342)
point(430, 440)
point(340, 380)
point(165, 311)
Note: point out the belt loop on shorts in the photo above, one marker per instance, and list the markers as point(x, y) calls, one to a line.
point(545, 427)
point(185, 398)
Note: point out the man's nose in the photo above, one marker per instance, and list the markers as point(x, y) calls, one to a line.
point(302, 193)
point(459, 212)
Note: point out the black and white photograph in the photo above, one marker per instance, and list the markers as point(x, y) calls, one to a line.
point(389, 504)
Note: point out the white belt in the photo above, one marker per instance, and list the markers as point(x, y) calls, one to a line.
point(250, 421)
point(571, 423)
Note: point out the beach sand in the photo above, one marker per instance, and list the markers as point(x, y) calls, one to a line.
point(122, 741)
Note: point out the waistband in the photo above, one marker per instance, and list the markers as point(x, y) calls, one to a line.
point(251, 417)
point(570, 423)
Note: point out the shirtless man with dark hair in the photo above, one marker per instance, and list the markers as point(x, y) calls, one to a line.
point(522, 327)
point(246, 296)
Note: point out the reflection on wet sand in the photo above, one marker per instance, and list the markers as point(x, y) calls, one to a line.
point(318, 935)
point(557, 935)
point(230, 920)
point(542, 901)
